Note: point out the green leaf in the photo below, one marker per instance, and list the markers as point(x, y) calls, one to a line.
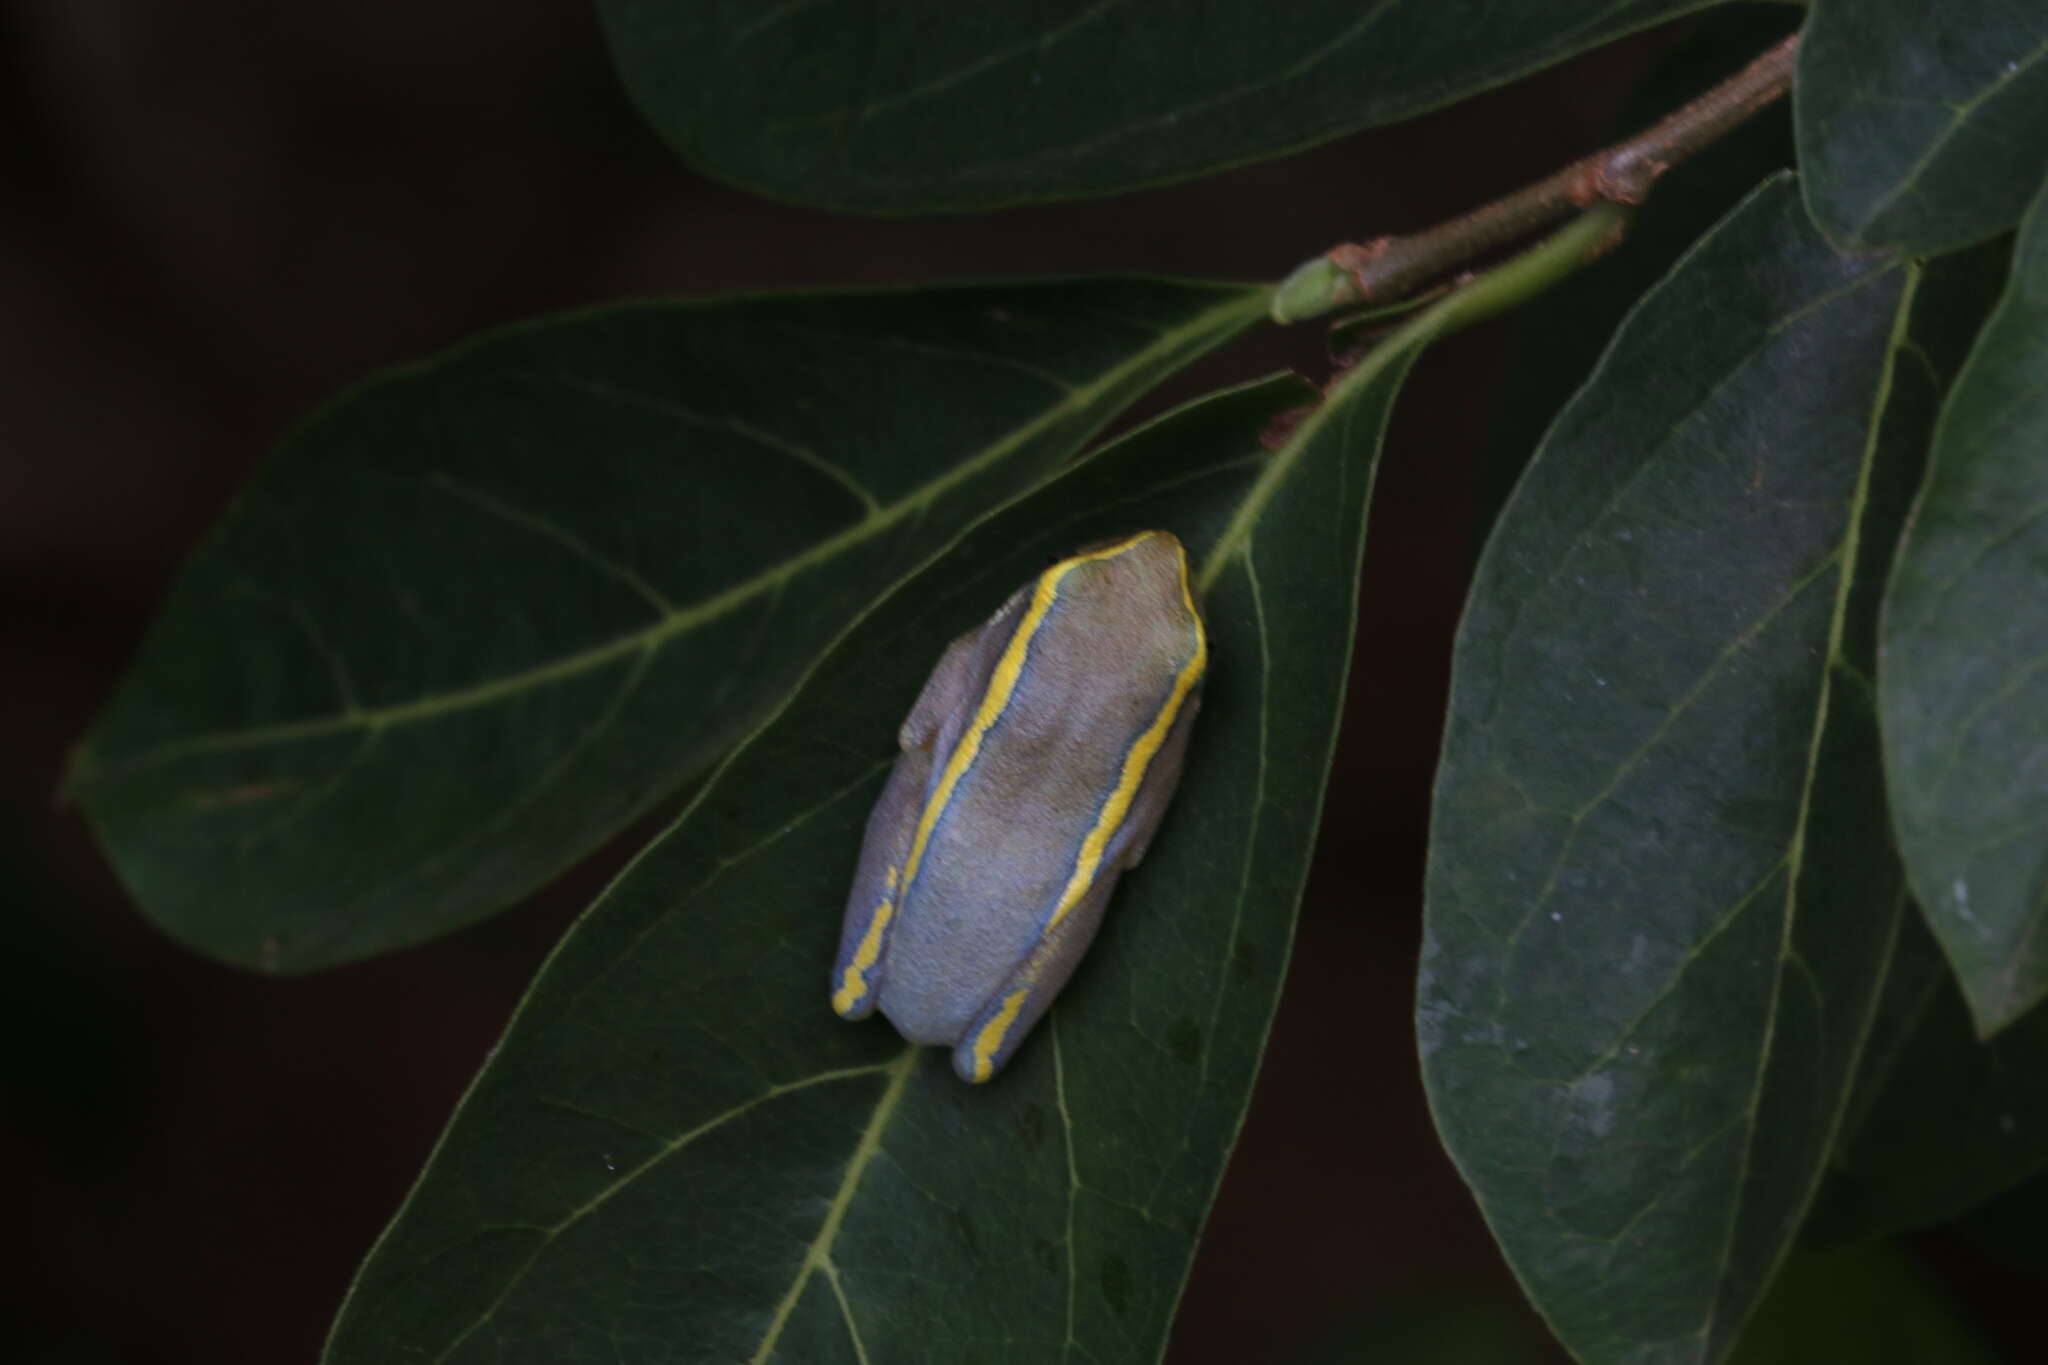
point(1941, 1122)
point(679, 1147)
point(941, 105)
point(1965, 680)
point(1654, 931)
point(1922, 123)
point(477, 615)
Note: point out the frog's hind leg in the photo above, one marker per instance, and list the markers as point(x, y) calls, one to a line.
point(1014, 1008)
point(878, 890)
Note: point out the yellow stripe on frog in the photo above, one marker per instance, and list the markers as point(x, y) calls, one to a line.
point(1137, 760)
point(1002, 685)
point(853, 985)
point(989, 1041)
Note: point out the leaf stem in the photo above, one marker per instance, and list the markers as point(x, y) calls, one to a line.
point(1386, 267)
point(1513, 281)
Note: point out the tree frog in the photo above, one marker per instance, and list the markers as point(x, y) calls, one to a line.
point(1035, 766)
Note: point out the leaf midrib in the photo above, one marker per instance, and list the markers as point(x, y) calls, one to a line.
point(818, 1255)
point(898, 1071)
point(1834, 658)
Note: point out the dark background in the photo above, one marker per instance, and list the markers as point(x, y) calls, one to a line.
point(215, 212)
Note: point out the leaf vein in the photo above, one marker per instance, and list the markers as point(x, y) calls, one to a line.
point(828, 1228)
point(534, 522)
point(910, 508)
point(1576, 818)
point(760, 436)
point(673, 1146)
point(1959, 115)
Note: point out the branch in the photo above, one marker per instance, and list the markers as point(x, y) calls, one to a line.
point(1508, 285)
point(1387, 267)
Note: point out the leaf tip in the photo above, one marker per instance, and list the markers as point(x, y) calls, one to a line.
point(1997, 1006)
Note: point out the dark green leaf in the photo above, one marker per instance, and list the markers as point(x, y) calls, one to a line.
point(678, 1147)
point(1941, 1121)
point(478, 614)
point(1654, 928)
point(1965, 680)
point(938, 104)
point(1922, 123)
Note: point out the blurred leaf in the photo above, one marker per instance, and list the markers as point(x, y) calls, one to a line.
point(1940, 1122)
point(1870, 1305)
point(478, 614)
point(2013, 1228)
point(1655, 928)
point(78, 1073)
point(939, 105)
point(680, 1148)
point(1965, 680)
point(1922, 123)
point(1431, 1328)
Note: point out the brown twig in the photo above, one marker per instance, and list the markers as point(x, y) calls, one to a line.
point(1387, 267)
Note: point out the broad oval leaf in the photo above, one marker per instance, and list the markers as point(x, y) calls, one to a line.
point(1922, 123)
point(1965, 682)
point(1654, 928)
point(678, 1146)
point(940, 105)
point(478, 614)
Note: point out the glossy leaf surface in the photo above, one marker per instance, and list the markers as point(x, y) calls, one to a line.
point(935, 104)
point(680, 1151)
point(1920, 121)
point(1654, 933)
point(1965, 681)
point(476, 615)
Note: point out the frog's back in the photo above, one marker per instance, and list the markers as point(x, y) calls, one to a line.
point(1069, 702)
